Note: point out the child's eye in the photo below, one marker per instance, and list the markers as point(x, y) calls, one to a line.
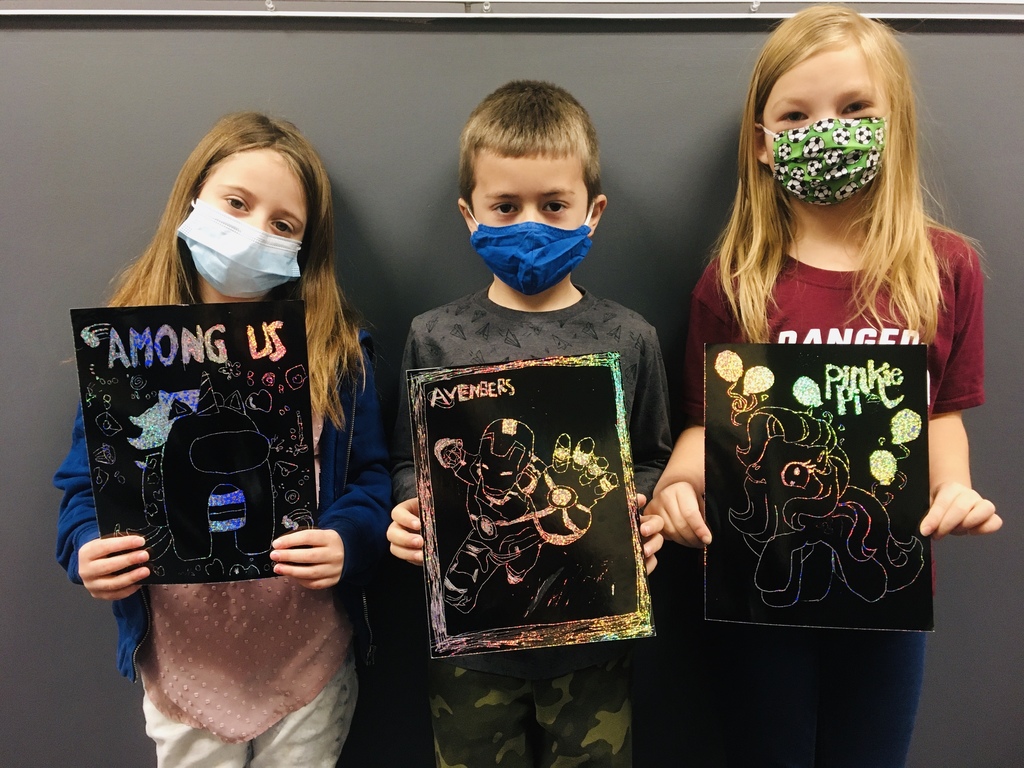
point(505, 208)
point(283, 227)
point(857, 106)
point(236, 203)
point(554, 207)
point(794, 117)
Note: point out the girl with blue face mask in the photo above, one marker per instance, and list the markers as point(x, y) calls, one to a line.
point(250, 217)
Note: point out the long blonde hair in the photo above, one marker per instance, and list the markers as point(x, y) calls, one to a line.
point(899, 263)
point(165, 274)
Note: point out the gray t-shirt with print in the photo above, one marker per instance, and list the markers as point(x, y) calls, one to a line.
point(475, 331)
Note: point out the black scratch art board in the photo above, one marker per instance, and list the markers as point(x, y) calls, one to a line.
point(525, 482)
point(197, 420)
point(816, 470)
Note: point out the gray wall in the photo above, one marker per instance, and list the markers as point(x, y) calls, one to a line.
point(96, 117)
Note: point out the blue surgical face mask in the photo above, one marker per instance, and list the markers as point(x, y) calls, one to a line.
point(236, 258)
point(531, 257)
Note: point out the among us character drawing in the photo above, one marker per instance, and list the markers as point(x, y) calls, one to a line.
point(517, 502)
point(216, 478)
point(806, 522)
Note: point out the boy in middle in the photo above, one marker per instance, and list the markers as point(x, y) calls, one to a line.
point(530, 192)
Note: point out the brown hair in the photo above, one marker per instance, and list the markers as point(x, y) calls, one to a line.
point(165, 274)
point(524, 118)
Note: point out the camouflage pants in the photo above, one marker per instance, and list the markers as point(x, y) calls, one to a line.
point(582, 718)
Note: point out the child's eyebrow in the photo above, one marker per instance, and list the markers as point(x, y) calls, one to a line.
point(226, 187)
point(863, 92)
point(558, 192)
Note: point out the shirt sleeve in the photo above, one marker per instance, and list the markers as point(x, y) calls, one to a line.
point(710, 323)
point(403, 472)
point(76, 519)
point(361, 512)
point(960, 341)
point(650, 436)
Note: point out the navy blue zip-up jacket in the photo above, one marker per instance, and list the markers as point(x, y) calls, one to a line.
point(355, 501)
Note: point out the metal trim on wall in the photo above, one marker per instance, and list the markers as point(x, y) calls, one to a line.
point(991, 10)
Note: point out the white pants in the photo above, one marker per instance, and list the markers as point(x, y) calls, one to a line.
point(311, 737)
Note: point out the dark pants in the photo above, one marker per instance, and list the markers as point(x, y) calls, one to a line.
point(582, 718)
point(798, 697)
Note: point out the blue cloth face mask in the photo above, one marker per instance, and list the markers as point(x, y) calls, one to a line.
point(531, 257)
point(236, 258)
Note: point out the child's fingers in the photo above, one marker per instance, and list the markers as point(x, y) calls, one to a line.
point(980, 514)
point(993, 524)
point(309, 547)
point(402, 536)
point(651, 548)
point(689, 521)
point(409, 555)
point(116, 586)
point(407, 515)
point(939, 520)
point(954, 516)
point(109, 568)
point(958, 509)
point(297, 555)
point(103, 548)
point(650, 563)
point(405, 545)
point(651, 524)
point(701, 532)
point(931, 521)
point(100, 558)
point(651, 527)
point(318, 576)
point(676, 530)
point(308, 537)
point(684, 522)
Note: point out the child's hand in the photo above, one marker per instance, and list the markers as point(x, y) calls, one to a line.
point(958, 509)
point(404, 532)
point(108, 569)
point(314, 557)
point(650, 535)
point(677, 505)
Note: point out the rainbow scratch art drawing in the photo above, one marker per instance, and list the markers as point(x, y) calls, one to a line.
point(529, 512)
point(816, 471)
point(197, 419)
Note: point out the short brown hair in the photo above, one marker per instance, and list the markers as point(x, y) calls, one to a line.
point(528, 117)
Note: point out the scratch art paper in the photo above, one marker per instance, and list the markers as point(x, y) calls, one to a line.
point(816, 468)
point(197, 421)
point(525, 481)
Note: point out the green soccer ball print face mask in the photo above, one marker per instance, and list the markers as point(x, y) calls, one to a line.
point(828, 161)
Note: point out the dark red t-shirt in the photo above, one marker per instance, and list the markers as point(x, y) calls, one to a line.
point(812, 307)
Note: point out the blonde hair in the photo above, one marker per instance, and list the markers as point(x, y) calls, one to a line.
point(899, 263)
point(165, 274)
point(524, 118)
